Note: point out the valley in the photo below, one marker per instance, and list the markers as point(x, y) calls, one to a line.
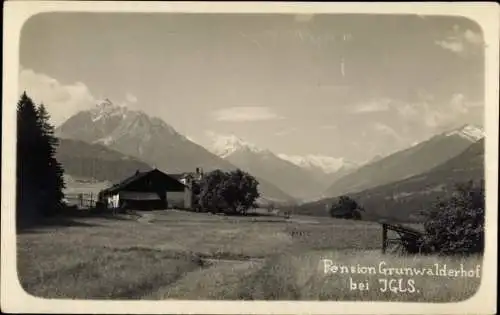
point(109, 143)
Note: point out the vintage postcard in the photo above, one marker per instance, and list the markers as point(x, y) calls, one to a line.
point(250, 158)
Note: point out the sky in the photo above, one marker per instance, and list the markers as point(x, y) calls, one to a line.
point(346, 86)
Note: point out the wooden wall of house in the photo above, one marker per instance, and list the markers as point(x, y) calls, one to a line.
point(188, 198)
point(136, 195)
point(180, 199)
point(176, 199)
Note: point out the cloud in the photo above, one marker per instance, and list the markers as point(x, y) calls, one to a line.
point(385, 129)
point(378, 105)
point(462, 42)
point(245, 114)
point(61, 100)
point(472, 37)
point(452, 44)
point(407, 111)
point(130, 98)
point(456, 110)
point(427, 113)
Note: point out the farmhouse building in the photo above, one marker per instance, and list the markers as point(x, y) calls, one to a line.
point(143, 191)
point(185, 199)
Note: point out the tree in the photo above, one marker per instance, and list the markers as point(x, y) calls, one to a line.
point(52, 169)
point(346, 208)
point(28, 139)
point(456, 225)
point(229, 192)
point(39, 175)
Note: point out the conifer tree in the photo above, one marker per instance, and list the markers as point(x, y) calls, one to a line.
point(28, 138)
point(52, 169)
point(39, 175)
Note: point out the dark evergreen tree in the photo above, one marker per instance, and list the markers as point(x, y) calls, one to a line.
point(28, 138)
point(52, 169)
point(39, 175)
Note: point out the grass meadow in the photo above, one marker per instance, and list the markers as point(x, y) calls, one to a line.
point(183, 255)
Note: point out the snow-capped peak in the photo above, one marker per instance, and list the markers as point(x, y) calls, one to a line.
point(225, 145)
point(105, 109)
point(469, 132)
point(326, 163)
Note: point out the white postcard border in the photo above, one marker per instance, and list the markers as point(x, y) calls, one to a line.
point(15, 299)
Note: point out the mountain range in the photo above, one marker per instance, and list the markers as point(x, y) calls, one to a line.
point(403, 164)
point(405, 199)
point(109, 142)
point(299, 178)
point(136, 134)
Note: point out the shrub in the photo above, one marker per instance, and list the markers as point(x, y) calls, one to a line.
point(229, 192)
point(456, 225)
point(346, 208)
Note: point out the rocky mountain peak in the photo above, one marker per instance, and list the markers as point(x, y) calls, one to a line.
point(470, 132)
point(225, 145)
point(106, 109)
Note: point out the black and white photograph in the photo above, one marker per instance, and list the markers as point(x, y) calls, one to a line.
point(252, 156)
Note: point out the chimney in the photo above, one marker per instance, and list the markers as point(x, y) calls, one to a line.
point(137, 172)
point(199, 173)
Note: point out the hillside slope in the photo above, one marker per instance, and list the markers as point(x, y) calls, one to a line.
point(403, 200)
point(292, 179)
point(94, 161)
point(136, 134)
point(84, 160)
point(296, 181)
point(406, 163)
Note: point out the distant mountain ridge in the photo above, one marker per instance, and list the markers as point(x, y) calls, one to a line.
point(296, 181)
point(84, 160)
point(414, 160)
point(405, 199)
point(327, 164)
point(136, 134)
point(147, 139)
point(225, 145)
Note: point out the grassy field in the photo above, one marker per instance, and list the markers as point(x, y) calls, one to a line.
point(183, 255)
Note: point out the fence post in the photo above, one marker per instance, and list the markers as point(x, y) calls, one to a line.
point(384, 238)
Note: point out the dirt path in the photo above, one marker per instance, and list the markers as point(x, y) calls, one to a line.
point(232, 261)
point(219, 281)
point(146, 218)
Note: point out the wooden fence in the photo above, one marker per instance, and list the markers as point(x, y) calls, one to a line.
point(81, 200)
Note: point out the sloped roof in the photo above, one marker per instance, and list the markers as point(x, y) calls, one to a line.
point(125, 182)
point(138, 175)
point(178, 176)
